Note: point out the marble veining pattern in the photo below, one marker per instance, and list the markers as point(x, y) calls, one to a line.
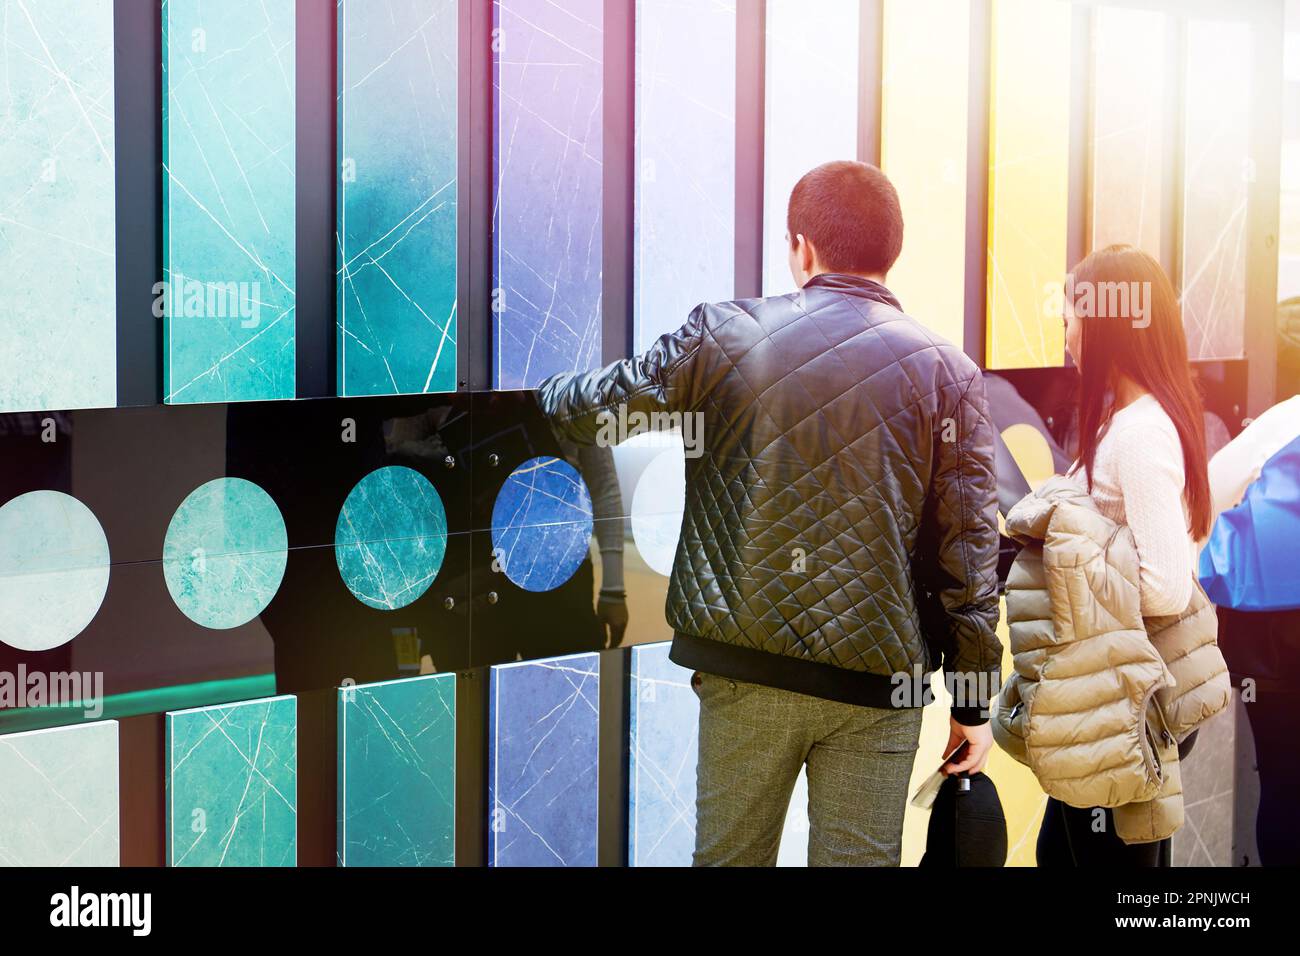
point(663, 749)
point(546, 218)
point(543, 761)
point(225, 553)
point(229, 216)
point(685, 161)
point(57, 206)
point(397, 115)
point(542, 524)
point(1216, 187)
point(391, 538)
point(397, 773)
point(232, 794)
point(59, 797)
point(54, 568)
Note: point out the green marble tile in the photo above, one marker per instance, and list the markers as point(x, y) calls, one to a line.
point(57, 206)
point(225, 553)
point(397, 773)
point(59, 797)
point(54, 569)
point(232, 787)
point(229, 202)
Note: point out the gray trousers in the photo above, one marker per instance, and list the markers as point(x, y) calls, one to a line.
point(754, 740)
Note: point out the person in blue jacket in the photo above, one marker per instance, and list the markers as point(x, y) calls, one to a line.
point(1248, 568)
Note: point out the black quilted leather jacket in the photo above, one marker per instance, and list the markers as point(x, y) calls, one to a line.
point(840, 531)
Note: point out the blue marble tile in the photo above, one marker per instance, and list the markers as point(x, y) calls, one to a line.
point(541, 524)
point(663, 750)
point(397, 773)
point(225, 553)
point(57, 207)
point(397, 113)
point(59, 797)
point(391, 538)
point(54, 568)
point(547, 242)
point(232, 784)
point(543, 760)
point(229, 207)
point(685, 161)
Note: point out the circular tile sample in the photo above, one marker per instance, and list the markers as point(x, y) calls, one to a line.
point(541, 524)
point(225, 553)
point(54, 567)
point(391, 538)
point(657, 506)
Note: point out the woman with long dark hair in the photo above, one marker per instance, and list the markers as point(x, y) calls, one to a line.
point(1142, 458)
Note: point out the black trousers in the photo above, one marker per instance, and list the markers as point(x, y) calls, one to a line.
point(1275, 724)
point(1081, 836)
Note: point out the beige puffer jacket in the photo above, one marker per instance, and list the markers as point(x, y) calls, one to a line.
point(1099, 698)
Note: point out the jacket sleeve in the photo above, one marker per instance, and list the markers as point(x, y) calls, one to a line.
point(964, 536)
point(658, 381)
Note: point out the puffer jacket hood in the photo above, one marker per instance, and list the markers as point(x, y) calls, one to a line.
point(1100, 697)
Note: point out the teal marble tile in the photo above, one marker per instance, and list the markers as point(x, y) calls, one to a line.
point(57, 206)
point(232, 784)
point(225, 553)
point(54, 568)
point(59, 797)
point(397, 773)
point(391, 538)
point(228, 200)
point(396, 232)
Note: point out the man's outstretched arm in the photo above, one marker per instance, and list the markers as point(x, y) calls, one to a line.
point(658, 381)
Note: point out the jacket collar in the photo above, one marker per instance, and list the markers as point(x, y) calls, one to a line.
point(854, 285)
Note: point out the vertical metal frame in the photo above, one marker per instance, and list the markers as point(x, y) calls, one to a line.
point(751, 115)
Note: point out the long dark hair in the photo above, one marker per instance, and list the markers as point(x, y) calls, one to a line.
point(1146, 344)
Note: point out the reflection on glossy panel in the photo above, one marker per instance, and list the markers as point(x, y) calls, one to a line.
point(225, 553)
point(812, 109)
point(542, 774)
point(547, 263)
point(923, 151)
point(397, 773)
point(1216, 178)
point(228, 198)
point(232, 790)
point(686, 161)
point(658, 503)
point(397, 112)
point(391, 537)
point(57, 243)
point(542, 524)
point(1128, 128)
point(54, 568)
point(59, 796)
point(664, 747)
point(1029, 138)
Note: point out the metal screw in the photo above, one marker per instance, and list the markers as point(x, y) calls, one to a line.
point(450, 461)
point(494, 460)
point(492, 597)
point(449, 603)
